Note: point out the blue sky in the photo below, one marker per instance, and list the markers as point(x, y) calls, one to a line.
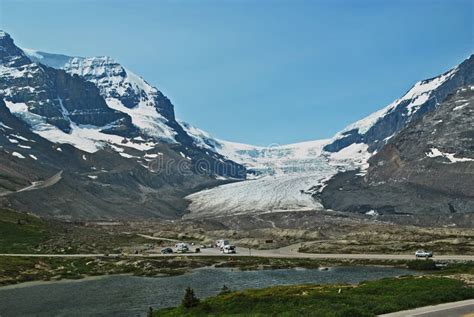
point(259, 72)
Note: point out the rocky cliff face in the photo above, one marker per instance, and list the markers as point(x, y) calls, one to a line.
point(422, 98)
point(436, 151)
point(427, 170)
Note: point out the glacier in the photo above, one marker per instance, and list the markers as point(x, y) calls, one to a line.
point(281, 177)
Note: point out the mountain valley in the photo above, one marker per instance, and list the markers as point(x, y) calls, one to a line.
point(108, 139)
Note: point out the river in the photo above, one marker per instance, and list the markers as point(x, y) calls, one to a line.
point(125, 295)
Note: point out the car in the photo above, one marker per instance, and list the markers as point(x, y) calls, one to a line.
point(166, 251)
point(423, 254)
point(229, 249)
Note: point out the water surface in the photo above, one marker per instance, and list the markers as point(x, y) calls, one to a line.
point(124, 295)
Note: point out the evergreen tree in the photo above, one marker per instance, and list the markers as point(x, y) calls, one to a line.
point(189, 300)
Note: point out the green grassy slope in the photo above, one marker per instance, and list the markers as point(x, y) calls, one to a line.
point(366, 299)
point(20, 232)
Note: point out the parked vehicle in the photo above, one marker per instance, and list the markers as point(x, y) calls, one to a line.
point(197, 250)
point(229, 249)
point(423, 254)
point(182, 247)
point(166, 251)
point(221, 243)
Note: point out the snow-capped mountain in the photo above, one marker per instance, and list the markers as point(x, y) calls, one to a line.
point(108, 139)
point(122, 90)
point(50, 100)
point(91, 126)
point(151, 113)
point(424, 174)
point(376, 129)
point(351, 147)
point(290, 171)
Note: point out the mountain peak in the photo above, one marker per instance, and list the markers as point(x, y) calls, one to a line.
point(10, 54)
point(4, 34)
point(376, 129)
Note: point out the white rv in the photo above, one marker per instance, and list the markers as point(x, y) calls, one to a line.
point(221, 243)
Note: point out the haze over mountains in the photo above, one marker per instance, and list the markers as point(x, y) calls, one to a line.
point(100, 130)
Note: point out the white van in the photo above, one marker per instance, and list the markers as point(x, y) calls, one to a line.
point(229, 249)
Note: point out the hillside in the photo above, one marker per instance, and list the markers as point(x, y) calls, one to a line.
point(425, 174)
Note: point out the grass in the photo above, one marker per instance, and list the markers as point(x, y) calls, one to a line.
point(25, 233)
point(20, 232)
point(366, 299)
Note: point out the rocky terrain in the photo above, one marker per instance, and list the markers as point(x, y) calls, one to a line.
point(426, 172)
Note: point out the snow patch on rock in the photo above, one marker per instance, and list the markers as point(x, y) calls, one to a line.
point(434, 152)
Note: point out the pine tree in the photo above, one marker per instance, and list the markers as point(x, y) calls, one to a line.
point(189, 300)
